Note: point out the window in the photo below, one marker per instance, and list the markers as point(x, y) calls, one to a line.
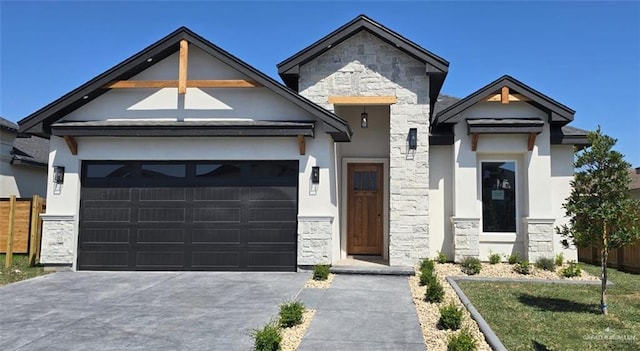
point(499, 197)
point(218, 170)
point(109, 170)
point(364, 180)
point(164, 170)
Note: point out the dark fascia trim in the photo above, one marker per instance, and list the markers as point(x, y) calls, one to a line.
point(557, 137)
point(306, 129)
point(22, 162)
point(443, 135)
point(289, 69)
point(40, 121)
point(558, 113)
point(498, 126)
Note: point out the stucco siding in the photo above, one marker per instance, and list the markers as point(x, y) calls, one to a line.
point(440, 200)
point(561, 175)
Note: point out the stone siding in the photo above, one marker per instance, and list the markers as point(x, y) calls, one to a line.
point(364, 65)
point(539, 238)
point(314, 241)
point(466, 237)
point(58, 244)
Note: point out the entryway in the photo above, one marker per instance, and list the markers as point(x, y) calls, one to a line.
point(365, 207)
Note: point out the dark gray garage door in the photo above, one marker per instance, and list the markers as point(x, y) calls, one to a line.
point(149, 215)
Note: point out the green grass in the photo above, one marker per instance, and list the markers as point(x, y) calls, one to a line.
point(530, 316)
point(18, 271)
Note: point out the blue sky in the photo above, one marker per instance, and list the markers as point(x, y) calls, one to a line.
point(584, 54)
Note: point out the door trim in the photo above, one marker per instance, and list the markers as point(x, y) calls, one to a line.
point(385, 203)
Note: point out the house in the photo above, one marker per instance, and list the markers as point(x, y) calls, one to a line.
point(184, 157)
point(634, 186)
point(23, 162)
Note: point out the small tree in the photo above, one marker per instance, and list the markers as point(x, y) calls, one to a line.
point(602, 214)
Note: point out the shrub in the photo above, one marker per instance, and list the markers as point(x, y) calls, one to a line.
point(427, 264)
point(494, 258)
point(320, 272)
point(523, 268)
point(426, 275)
point(463, 341)
point(442, 258)
point(471, 265)
point(450, 317)
point(267, 338)
point(514, 258)
point(546, 263)
point(435, 291)
point(559, 259)
point(572, 270)
point(291, 314)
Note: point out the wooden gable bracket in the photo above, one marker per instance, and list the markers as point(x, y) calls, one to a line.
point(512, 98)
point(182, 67)
point(504, 95)
point(532, 141)
point(301, 144)
point(71, 144)
point(182, 83)
point(474, 141)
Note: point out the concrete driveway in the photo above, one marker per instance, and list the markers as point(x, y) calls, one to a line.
point(141, 311)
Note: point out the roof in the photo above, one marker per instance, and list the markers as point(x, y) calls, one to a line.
point(435, 65)
point(558, 112)
point(32, 151)
point(187, 128)
point(7, 125)
point(634, 174)
point(39, 122)
point(443, 102)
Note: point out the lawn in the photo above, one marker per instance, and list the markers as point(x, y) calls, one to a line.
point(19, 270)
point(531, 316)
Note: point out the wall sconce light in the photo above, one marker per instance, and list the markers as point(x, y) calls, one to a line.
point(315, 175)
point(364, 118)
point(413, 138)
point(58, 174)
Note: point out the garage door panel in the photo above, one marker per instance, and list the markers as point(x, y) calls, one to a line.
point(213, 215)
point(218, 194)
point(212, 236)
point(163, 194)
point(160, 259)
point(106, 235)
point(161, 235)
point(159, 214)
point(161, 218)
point(97, 214)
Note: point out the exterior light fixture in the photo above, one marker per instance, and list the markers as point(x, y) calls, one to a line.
point(58, 174)
point(364, 118)
point(413, 138)
point(315, 175)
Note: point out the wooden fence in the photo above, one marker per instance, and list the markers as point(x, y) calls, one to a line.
point(626, 258)
point(21, 227)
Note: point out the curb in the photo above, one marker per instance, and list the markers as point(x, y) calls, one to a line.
point(403, 271)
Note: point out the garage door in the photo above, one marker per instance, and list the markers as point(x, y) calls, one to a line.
point(149, 215)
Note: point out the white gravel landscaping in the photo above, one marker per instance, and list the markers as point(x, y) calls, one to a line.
point(291, 337)
point(429, 314)
point(319, 284)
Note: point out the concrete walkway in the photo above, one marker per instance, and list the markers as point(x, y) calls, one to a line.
point(362, 312)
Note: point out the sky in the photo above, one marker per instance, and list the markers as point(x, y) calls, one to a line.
point(585, 55)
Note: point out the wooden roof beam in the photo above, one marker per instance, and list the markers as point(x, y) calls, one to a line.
point(362, 100)
point(224, 83)
point(182, 67)
point(71, 144)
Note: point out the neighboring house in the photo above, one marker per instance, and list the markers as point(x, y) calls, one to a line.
point(23, 162)
point(634, 187)
point(185, 157)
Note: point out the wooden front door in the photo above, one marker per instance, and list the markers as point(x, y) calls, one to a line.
point(364, 208)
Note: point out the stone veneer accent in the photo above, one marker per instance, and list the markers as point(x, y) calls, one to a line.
point(314, 240)
point(58, 244)
point(364, 65)
point(466, 237)
point(539, 237)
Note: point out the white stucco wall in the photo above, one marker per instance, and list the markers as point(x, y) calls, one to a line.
point(561, 175)
point(440, 200)
point(15, 179)
point(539, 194)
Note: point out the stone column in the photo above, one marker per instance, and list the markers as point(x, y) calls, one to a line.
point(539, 237)
point(466, 237)
point(58, 240)
point(314, 240)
